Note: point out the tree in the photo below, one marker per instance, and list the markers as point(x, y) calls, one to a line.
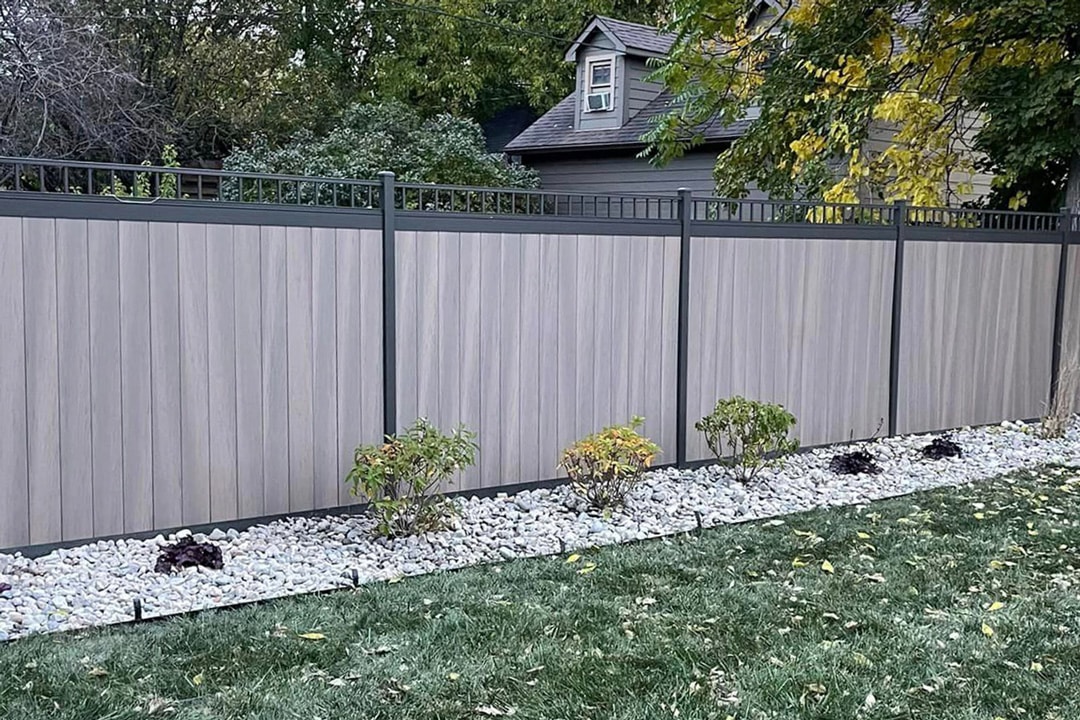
point(66, 90)
point(1000, 77)
point(390, 136)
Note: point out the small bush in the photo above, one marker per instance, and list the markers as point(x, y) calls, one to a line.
point(858, 462)
point(941, 447)
point(605, 466)
point(749, 432)
point(399, 477)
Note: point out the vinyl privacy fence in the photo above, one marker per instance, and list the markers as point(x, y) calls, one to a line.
point(174, 362)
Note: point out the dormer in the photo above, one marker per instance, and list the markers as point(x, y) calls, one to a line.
point(611, 58)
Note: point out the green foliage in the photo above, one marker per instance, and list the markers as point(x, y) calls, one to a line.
point(143, 184)
point(390, 136)
point(605, 466)
point(932, 78)
point(401, 476)
point(750, 432)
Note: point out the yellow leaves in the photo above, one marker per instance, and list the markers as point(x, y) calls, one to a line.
point(311, 636)
point(453, 677)
point(588, 568)
point(862, 535)
point(827, 567)
point(198, 680)
point(987, 630)
point(980, 516)
point(573, 558)
point(995, 606)
point(798, 562)
point(1036, 666)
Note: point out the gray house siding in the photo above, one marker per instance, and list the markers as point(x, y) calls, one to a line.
point(629, 175)
point(639, 91)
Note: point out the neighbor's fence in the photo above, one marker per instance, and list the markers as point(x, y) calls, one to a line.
point(176, 356)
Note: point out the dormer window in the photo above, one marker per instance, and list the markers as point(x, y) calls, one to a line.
point(599, 84)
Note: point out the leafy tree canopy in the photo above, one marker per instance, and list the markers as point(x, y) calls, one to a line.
point(371, 138)
point(232, 69)
point(1001, 77)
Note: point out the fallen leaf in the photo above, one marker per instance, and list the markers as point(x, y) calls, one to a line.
point(198, 679)
point(987, 630)
point(573, 558)
point(798, 563)
point(826, 566)
point(312, 636)
point(453, 676)
point(1036, 666)
point(995, 606)
point(862, 535)
point(587, 569)
point(97, 672)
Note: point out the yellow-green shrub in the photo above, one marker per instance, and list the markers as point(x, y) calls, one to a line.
point(605, 466)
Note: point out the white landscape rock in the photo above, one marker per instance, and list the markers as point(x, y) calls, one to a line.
point(96, 584)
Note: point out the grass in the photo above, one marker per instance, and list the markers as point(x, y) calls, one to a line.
point(950, 605)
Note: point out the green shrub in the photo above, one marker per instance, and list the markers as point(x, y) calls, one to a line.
point(400, 477)
point(749, 432)
point(605, 466)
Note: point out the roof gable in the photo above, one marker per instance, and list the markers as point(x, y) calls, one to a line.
point(627, 37)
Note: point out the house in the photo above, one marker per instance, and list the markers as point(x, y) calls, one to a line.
point(590, 141)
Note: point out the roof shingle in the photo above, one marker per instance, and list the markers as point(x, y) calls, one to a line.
point(554, 130)
point(636, 36)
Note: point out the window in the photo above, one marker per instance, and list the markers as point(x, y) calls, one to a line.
point(599, 84)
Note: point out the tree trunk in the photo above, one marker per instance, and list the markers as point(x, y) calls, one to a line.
point(1072, 183)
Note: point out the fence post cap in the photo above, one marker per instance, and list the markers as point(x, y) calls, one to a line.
point(386, 174)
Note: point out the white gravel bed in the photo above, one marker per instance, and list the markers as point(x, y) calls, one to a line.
point(95, 584)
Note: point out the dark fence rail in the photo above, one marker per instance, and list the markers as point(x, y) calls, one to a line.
point(148, 183)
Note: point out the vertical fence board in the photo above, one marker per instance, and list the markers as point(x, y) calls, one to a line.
point(585, 395)
point(408, 338)
point(275, 371)
point(548, 371)
point(428, 282)
point(603, 365)
point(106, 411)
point(370, 366)
point(1070, 335)
point(194, 375)
point(669, 347)
point(530, 463)
point(247, 306)
point(73, 349)
point(568, 351)
point(470, 324)
point(221, 364)
point(448, 370)
point(508, 314)
point(348, 285)
point(135, 381)
point(491, 420)
point(42, 376)
point(324, 366)
point(165, 372)
point(14, 478)
point(299, 327)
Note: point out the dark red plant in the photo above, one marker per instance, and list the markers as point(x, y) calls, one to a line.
point(187, 553)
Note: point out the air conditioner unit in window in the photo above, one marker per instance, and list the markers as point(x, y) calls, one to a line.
point(598, 101)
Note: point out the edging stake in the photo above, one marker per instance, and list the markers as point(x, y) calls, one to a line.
point(355, 578)
point(137, 602)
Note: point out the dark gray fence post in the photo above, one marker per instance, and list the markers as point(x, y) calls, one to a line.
point(686, 214)
point(900, 221)
point(389, 301)
point(1059, 302)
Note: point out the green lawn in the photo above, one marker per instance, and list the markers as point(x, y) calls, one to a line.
point(951, 605)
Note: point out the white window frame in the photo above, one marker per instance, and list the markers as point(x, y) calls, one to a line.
point(590, 63)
